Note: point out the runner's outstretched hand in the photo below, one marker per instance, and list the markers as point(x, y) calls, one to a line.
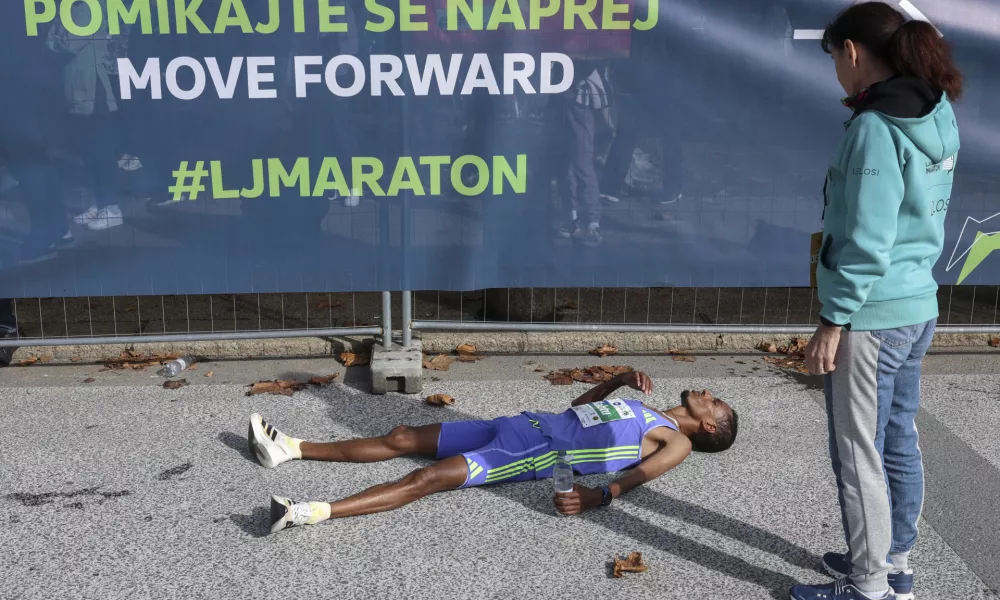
point(637, 380)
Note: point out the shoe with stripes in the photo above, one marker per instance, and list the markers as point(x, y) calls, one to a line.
point(285, 514)
point(838, 565)
point(270, 446)
point(842, 589)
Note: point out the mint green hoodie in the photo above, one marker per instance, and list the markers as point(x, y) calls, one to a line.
point(886, 197)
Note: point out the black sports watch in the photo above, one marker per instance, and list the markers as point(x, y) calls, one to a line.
point(607, 496)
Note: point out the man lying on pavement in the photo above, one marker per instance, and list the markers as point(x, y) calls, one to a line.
point(598, 434)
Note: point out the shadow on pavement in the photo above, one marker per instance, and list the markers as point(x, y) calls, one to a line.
point(237, 443)
point(255, 524)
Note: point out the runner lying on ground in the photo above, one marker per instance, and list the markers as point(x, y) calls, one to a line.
point(601, 436)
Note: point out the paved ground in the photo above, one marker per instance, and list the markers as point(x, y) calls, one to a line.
point(121, 489)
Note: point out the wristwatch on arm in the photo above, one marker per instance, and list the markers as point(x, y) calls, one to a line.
point(607, 496)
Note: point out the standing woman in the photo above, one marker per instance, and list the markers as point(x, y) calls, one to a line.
point(887, 193)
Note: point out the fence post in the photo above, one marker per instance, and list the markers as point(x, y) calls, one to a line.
point(387, 320)
point(407, 318)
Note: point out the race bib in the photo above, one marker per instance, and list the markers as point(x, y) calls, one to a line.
point(605, 411)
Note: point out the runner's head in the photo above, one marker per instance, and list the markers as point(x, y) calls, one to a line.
point(709, 422)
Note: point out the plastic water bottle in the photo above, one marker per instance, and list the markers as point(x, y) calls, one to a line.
point(172, 368)
point(562, 473)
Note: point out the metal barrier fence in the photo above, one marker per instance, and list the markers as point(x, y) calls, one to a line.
point(78, 321)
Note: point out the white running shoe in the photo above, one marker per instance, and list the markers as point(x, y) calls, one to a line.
point(106, 219)
point(86, 217)
point(270, 446)
point(285, 513)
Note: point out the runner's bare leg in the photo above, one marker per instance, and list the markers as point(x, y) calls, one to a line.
point(398, 442)
point(447, 474)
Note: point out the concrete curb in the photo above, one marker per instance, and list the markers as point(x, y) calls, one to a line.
point(490, 343)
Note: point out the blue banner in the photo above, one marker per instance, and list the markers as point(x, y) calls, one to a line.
point(256, 146)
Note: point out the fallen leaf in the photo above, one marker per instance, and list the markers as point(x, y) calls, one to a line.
point(277, 387)
point(136, 361)
point(795, 348)
point(470, 357)
point(440, 400)
point(441, 362)
point(350, 359)
point(995, 342)
point(322, 381)
point(605, 350)
point(769, 347)
point(631, 564)
point(89, 380)
point(560, 378)
point(175, 384)
point(130, 309)
point(597, 374)
point(45, 359)
point(28, 361)
point(466, 349)
point(793, 364)
point(75, 359)
point(210, 374)
point(683, 358)
point(569, 306)
point(193, 367)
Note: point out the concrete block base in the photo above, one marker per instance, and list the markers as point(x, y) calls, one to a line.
point(397, 370)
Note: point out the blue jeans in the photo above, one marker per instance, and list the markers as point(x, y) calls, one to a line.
point(872, 402)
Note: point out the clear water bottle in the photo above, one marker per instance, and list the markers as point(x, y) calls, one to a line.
point(562, 473)
point(172, 368)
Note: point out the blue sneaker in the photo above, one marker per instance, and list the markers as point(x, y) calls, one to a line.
point(838, 565)
point(842, 589)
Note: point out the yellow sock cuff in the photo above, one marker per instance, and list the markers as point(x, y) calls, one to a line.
point(293, 445)
point(320, 512)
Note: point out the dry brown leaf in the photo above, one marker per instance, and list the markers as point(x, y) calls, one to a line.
point(136, 360)
point(45, 359)
point(322, 381)
point(631, 564)
point(210, 374)
point(175, 384)
point(470, 357)
point(605, 350)
point(350, 359)
point(597, 374)
point(277, 388)
point(569, 306)
point(684, 358)
point(441, 362)
point(75, 359)
point(769, 347)
point(131, 309)
point(440, 400)
point(793, 364)
point(466, 349)
point(995, 342)
point(28, 361)
point(89, 380)
point(560, 378)
point(193, 367)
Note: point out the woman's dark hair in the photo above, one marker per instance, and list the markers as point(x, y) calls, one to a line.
point(911, 48)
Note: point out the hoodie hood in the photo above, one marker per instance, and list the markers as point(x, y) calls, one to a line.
point(923, 114)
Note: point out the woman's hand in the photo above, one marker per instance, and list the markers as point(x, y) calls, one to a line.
point(821, 353)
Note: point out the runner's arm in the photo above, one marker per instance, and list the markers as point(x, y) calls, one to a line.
point(636, 380)
point(674, 448)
